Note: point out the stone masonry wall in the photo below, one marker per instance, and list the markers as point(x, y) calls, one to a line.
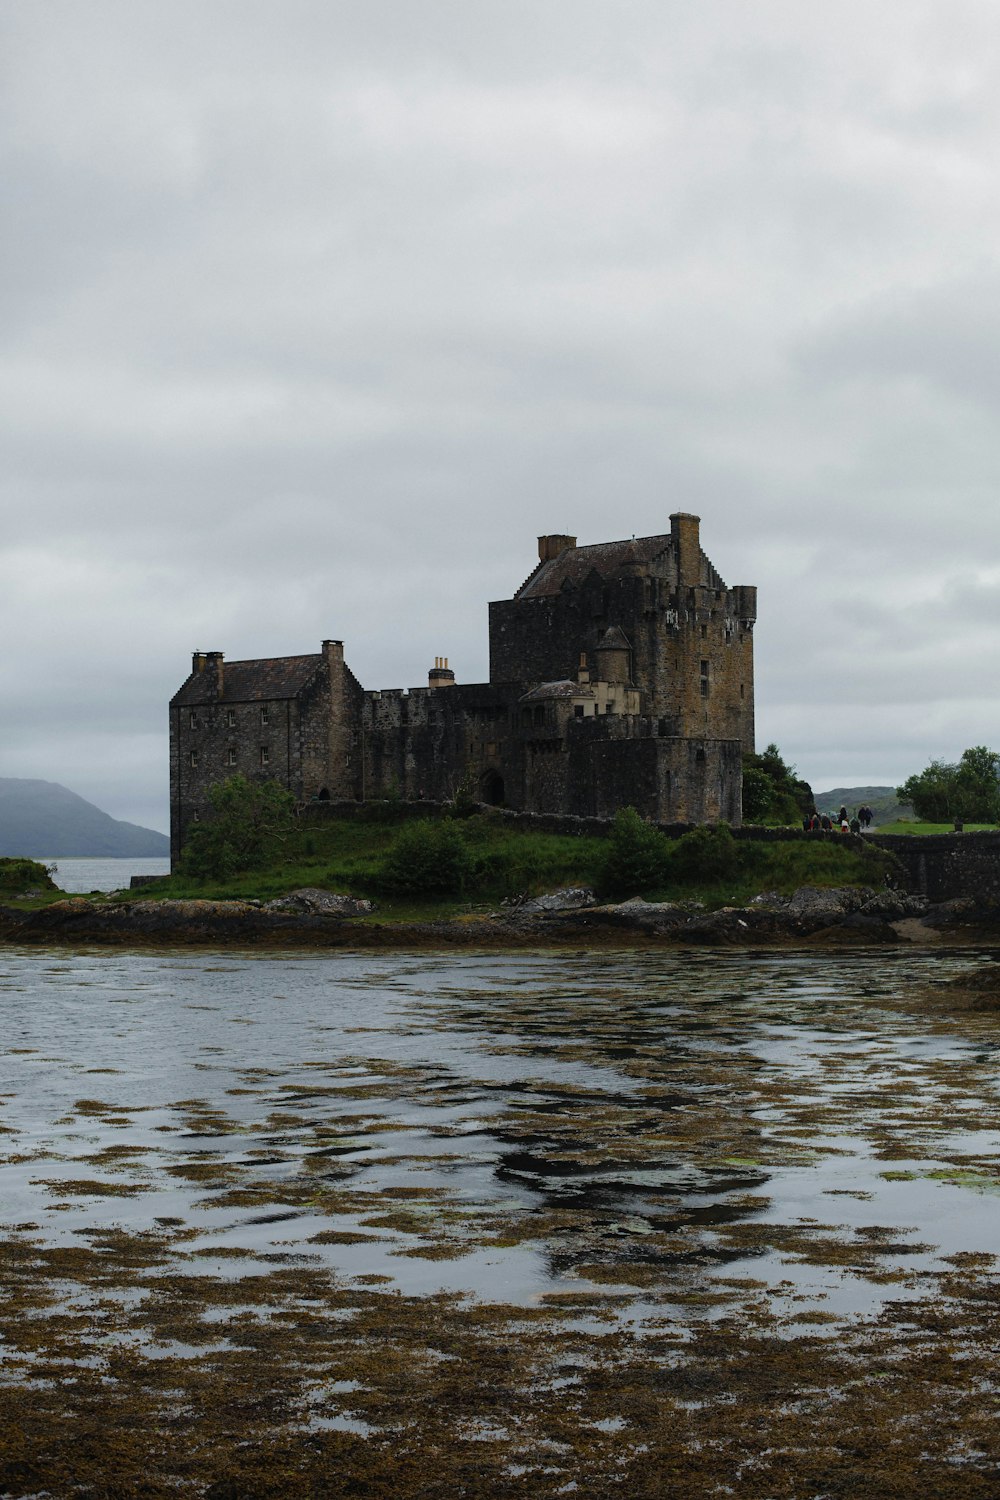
point(943, 866)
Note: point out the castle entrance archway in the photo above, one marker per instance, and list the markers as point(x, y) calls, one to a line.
point(492, 788)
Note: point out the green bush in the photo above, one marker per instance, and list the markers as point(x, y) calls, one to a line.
point(637, 856)
point(427, 859)
point(18, 875)
point(706, 855)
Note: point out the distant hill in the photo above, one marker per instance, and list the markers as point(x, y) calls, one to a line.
point(41, 819)
point(881, 799)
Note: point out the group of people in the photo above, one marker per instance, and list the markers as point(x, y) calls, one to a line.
point(827, 823)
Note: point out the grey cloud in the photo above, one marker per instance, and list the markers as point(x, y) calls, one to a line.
point(314, 319)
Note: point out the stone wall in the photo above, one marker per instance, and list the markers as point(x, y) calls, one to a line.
point(212, 741)
point(943, 866)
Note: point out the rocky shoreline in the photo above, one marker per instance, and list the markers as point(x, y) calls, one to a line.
point(315, 918)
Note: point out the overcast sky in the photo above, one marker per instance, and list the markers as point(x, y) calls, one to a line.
point(315, 314)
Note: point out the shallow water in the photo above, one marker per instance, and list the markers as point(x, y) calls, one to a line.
point(510, 1127)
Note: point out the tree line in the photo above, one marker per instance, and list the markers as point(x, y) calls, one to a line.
point(968, 791)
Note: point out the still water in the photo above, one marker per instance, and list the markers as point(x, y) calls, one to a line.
point(81, 876)
point(508, 1127)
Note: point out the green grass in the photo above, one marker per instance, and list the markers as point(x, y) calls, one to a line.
point(906, 826)
point(347, 856)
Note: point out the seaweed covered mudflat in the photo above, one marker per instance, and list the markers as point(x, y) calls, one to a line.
point(609, 1224)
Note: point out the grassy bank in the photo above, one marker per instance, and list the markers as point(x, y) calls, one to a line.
point(426, 869)
point(909, 826)
point(433, 870)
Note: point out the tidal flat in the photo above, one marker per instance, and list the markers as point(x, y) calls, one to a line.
point(648, 1224)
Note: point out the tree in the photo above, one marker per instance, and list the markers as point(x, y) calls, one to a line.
point(249, 823)
point(772, 793)
point(636, 857)
point(758, 792)
point(969, 790)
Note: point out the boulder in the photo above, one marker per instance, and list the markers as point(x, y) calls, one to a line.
point(569, 898)
point(314, 902)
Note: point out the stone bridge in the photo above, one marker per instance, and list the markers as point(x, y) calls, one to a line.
point(944, 865)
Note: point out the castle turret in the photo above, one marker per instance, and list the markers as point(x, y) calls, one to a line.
point(614, 656)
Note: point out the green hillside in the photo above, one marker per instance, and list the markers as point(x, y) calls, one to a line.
point(41, 819)
point(881, 799)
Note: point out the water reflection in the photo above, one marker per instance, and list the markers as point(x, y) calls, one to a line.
point(509, 1127)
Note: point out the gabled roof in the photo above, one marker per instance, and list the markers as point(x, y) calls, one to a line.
point(251, 681)
point(575, 564)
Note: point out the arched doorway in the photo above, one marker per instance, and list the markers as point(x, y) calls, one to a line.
point(324, 795)
point(492, 788)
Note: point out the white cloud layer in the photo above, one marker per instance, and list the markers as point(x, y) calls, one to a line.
point(313, 316)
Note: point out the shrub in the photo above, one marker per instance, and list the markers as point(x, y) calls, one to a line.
point(427, 859)
point(637, 856)
point(18, 875)
point(706, 855)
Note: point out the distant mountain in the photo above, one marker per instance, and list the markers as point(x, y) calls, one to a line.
point(41, 819)
point(881, 799)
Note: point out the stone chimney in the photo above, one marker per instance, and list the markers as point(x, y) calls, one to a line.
point(211, 662)
point(551, 546)
point(687, 548)
point(440, 675)
point(214, 665)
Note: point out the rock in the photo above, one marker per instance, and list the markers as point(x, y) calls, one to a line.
point(894, 906)
point(814, 904)
point(569, 898)
point(319, 903)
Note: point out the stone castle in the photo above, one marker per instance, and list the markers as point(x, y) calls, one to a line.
point(620, 674)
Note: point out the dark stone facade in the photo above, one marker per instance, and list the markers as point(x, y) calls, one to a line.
point(620, 675)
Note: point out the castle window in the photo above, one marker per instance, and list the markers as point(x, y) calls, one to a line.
point(265, 715)
point(741, 690)
point(265, 755)
point(704, 687)
point(578, 710)
point(704, 631)
point(194, 757)
point(699, 755)
point(231, 755)
point(230, 718)
point(193, 720)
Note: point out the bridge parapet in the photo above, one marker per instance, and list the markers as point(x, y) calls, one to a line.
point(942, 866)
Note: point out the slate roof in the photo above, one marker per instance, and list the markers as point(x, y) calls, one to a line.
point(562, 689)
point(614, 639)
point(575, 564)
point(251, 681)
